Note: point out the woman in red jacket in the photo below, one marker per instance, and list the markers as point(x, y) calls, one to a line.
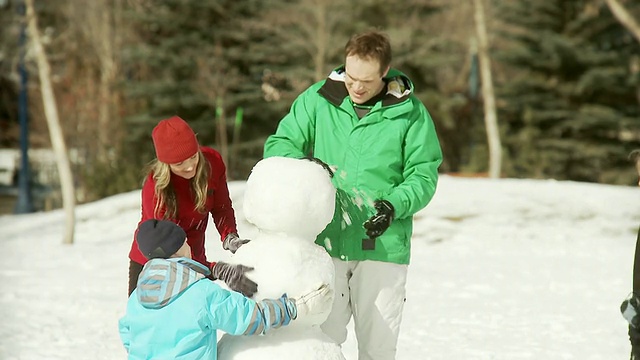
point(187, 182)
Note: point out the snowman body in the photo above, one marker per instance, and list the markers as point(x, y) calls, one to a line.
point(289, 212)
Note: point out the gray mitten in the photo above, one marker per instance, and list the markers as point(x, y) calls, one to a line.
point(233, 242)
point(234, 276)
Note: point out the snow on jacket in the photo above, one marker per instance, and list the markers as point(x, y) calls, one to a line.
point(188, 218)
point(392, 153)
point(174, 313)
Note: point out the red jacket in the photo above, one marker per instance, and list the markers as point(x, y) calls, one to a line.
point(188, 218)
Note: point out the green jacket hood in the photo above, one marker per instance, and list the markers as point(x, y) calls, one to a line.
point(399, 87)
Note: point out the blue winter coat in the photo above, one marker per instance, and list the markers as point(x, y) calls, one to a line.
point(175, 311)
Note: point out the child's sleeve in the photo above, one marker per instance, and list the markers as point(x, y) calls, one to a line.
point(123, 326)
point(236, 314)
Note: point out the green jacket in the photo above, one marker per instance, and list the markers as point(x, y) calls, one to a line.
point(392, 153)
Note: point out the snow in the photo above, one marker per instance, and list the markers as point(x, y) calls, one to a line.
point(501, 269)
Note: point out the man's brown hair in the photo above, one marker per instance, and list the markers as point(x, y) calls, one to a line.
point(370, 45)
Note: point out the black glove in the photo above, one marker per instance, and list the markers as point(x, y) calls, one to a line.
point(233, 242)
point(378, 223)
point(234, 277)
point(321, 163)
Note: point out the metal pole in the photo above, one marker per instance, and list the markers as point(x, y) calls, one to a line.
point(24, 204)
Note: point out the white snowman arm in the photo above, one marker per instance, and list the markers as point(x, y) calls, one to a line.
point(280, 312)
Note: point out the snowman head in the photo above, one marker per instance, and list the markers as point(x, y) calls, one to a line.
point(289, 196)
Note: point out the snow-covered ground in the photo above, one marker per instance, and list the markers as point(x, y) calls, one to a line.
point(501, 269)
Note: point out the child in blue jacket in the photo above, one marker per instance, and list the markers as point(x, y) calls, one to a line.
point(175, 311)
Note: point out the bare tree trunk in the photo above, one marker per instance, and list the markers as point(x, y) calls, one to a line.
point(55, 131)
point(107, 75)
point(628, 22)
point(213, 79)
point(488, 96)
point(624, 17)
point(321, 41)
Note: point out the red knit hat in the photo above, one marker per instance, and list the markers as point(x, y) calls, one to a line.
point(174, 140)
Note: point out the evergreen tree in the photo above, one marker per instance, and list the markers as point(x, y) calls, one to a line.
point(191, 58)
point(435, 59)
point(570, 107)
point(303, 46)
point(430, 57)
point(12, 46)
point(9, 86)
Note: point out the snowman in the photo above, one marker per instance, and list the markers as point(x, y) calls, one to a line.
point(290, 201)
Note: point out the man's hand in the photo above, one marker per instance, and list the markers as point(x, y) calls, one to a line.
point(379, 223)
point(233, 242)
point(234, 276)
point(315, 302)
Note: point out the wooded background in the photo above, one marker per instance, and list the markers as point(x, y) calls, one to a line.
point(566, 76)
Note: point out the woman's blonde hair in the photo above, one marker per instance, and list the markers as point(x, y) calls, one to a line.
point(166, 195)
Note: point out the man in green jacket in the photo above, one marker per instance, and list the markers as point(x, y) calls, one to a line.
point(365, 122)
